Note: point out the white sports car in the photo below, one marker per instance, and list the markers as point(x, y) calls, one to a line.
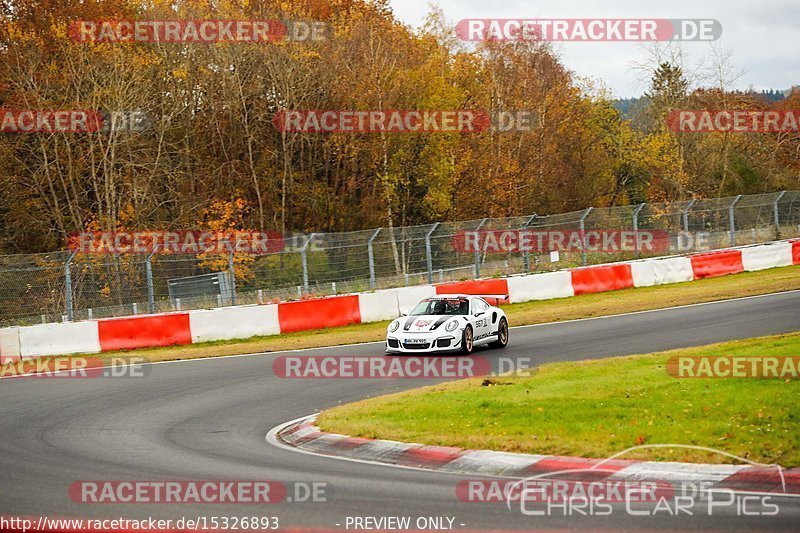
point(448, 323)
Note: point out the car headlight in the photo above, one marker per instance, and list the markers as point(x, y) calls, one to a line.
point(393, 326)
point(451, 326)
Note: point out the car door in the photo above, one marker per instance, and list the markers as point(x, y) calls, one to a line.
point(481, 319)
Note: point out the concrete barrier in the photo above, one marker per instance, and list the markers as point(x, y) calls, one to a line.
point(715, 264)
point(764, 256)
point(59, 339)
point(643, 273)
point(602, 278)
point(143, 331)
point(378, 306)
point(672, 270)
point(233, 323)
point(477, 286)
point(9, 345)
point(408, 297)
point(543, 286)
point(319, 313)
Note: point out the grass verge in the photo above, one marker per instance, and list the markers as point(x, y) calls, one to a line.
point(598, 408)
point(537, 312)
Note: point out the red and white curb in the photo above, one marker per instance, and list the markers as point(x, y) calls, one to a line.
point(304, 436)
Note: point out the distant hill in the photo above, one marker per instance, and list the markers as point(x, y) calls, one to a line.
point(769, 95)
point(626, 105)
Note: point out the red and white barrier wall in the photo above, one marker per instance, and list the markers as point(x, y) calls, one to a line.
point(242, 322)
point(9, 345)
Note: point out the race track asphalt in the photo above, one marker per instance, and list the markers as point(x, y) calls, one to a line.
point(207, 419)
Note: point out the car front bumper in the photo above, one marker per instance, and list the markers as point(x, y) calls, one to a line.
point(449, 342)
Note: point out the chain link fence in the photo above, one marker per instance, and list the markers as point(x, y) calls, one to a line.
point(61, 286)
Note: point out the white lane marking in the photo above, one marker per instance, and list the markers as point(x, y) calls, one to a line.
point(218, 357)
point(658, 310)
point(132, 353)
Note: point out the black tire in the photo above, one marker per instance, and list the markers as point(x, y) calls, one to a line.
point(502, 337)
point(467, 340)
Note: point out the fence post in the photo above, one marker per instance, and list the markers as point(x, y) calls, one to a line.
point(428, 255)
point(732, 221)
point(776, 216)
point(636, 227)
point(581, 225)
point(231, 272)
point(371, 257)
point(148, 268)
point(686, 215)
point(304, 258)
point(478, 249)
point(68, 285)
point(526, 256)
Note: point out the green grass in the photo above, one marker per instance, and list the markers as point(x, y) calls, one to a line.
point(598, 408)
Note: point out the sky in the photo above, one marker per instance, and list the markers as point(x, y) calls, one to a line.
point(759, 39)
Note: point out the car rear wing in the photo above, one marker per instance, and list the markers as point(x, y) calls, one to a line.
point(496, 297)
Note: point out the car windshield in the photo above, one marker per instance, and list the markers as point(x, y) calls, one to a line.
point(456, 306)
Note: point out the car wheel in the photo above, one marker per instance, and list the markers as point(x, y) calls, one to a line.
point(467, 340)
point(502, 334)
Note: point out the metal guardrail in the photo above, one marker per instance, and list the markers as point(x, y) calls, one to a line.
point(62, 285)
